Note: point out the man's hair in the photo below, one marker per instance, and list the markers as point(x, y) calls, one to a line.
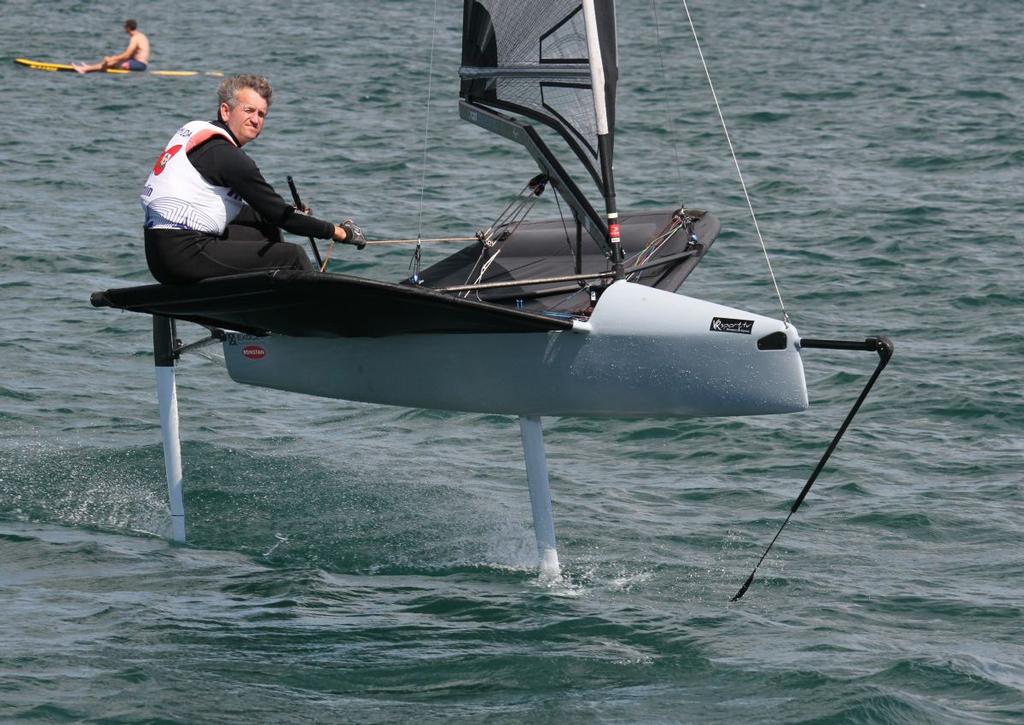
point(130, 24)
point(230, 86)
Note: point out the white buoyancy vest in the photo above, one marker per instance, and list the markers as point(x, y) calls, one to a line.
point(176, 196)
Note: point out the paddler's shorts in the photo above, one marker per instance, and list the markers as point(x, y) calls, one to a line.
point(132, 64)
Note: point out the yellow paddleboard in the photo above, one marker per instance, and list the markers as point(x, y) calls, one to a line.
point(53, 67)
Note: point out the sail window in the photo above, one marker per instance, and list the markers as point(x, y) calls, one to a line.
point(530, 57)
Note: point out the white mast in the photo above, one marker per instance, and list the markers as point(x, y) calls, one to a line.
point(596, 67)
point(604, 146)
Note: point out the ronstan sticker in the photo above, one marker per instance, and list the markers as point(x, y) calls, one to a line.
point(254, 352)
point(727, 324)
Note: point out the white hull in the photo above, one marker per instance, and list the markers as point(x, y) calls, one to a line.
point(644, 352)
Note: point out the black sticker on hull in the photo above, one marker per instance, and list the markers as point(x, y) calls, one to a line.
point(727, 324)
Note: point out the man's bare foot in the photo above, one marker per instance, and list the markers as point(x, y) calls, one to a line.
point(80, 67)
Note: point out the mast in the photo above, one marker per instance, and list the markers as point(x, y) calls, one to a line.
point(556, 62)
point(601, 92)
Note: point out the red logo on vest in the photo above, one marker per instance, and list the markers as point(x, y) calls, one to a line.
point(164, 158)
point(254, 352)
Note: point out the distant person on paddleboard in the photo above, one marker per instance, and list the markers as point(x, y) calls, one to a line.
point(210, 212)
point(134, 57)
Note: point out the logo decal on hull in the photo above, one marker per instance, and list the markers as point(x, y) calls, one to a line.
point(254, 352)
point(727, 324)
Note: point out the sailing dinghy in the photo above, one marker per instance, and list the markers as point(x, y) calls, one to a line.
point(577, 317)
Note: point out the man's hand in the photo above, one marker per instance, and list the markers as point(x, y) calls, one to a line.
point(353, 234)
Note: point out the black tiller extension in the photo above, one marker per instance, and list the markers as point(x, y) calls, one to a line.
point(884, 347)
point(298, 206)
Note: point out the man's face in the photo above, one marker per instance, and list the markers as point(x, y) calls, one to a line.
point(246, 118)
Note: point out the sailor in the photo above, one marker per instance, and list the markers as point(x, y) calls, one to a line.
point(134, 57)
point(210, 212)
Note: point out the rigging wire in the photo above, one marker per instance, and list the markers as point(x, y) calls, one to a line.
point(493, 238)
point(668, 114)
point(736, 163)
point(656, 243)
point(426, 135)
point(565, 228)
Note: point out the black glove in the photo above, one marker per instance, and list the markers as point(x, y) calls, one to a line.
point(353, 234)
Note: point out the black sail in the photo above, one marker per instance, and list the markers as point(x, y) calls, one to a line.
point(531, 57)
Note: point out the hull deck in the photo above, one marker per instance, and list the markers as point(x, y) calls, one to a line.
point(312, 304)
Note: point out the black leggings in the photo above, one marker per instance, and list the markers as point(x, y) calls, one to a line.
point(183, 257)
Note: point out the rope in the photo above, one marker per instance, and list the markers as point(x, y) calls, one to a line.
point(442, 240)
point(327, 257)
point(736, 163)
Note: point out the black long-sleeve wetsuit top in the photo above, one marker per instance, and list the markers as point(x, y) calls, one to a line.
point(224, 164)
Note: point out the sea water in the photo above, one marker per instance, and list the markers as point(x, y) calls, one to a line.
point(357, 563)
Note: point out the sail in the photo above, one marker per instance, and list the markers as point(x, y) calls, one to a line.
point(532, 57)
